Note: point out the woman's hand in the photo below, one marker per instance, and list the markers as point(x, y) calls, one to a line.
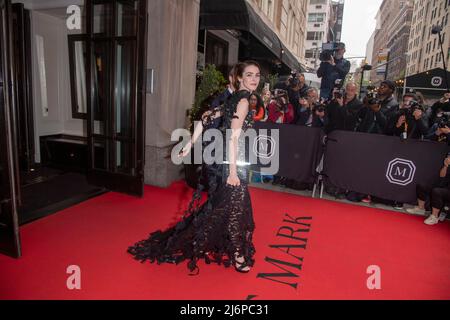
point(205, 116)
point(185, 151)
point(233, 180)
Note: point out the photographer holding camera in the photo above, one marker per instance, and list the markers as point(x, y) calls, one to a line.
point(439, 107)
point(280, 110)
point(440, 130)
point(439, 115)
point(312, 112)
point(408, 121)
point(296, 89)
point(344, 109)
point(333, 66)
point(370, 119)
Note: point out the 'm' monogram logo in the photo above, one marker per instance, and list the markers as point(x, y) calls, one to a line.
point(401, 172)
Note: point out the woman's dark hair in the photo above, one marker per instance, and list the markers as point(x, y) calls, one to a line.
point(239, 71)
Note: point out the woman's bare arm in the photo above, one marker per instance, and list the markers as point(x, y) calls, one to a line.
point(216, 113)
point(236, 128)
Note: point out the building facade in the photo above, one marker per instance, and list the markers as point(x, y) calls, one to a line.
point(336, 19)
point(397, 42)
point(386, 15)
point(278, 25)
point(319, 13)
point(424, 52)
point(288, 19)
point(369, 49)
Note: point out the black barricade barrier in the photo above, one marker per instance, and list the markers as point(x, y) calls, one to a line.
point(382, 166)
point(299, 149)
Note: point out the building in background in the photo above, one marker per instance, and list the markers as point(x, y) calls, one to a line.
point(336, 18)
point(386, 15)
point(369, 49)
point(324, 25)
point(425, 62)
point(397, 42)
point(424, 52)
point(319, 13)
point(271, 32)
point(288, 18)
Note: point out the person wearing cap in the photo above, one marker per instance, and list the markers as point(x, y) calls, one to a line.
point(386, 95)
point(330, 71)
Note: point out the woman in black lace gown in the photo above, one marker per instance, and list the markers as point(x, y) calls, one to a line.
point(221, 229)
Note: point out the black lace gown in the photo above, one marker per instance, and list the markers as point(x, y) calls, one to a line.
point(214, 231)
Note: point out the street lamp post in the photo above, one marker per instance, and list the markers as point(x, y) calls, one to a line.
point(366, 67)
point(404, 79)
point(437, 30)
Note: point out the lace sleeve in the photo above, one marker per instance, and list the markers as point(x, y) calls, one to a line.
point(229, 113)
point(212, 115)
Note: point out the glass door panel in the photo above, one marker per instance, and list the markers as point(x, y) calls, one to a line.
point(116, 107)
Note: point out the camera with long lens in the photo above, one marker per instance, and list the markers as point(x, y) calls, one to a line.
point(319, 107)
point(293, 80)
point(411, 107)
point(443, 119)
point(277, 95)
point(328, 50)
point(338, 90)
point(415, 105)
point(372, 98)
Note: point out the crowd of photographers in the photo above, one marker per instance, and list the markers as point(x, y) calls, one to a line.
point(293, 102)
point(338, 107)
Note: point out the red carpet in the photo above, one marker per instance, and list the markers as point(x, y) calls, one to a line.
point(342, 241)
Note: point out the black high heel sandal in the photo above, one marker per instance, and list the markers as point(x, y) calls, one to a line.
point(240, 266)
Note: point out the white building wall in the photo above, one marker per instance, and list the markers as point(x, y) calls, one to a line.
point(323, 27)
point(172, 54)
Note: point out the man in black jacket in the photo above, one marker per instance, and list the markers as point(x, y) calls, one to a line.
point(370, 119)
point(343, 111)
point(406, 120)
point(224, 96)
point(386, 95)
point(330, 71)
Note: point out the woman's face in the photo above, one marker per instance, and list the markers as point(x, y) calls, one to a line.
point(250, 78)
point(253, 101)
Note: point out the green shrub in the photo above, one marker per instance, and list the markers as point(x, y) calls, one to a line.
point(212, 81)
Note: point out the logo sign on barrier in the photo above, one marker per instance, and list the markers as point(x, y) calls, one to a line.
point(266, 144)
point(401, 172)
